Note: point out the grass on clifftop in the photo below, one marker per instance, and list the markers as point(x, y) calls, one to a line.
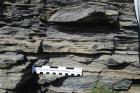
point(102, 89)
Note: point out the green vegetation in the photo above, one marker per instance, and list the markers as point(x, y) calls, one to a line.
point(102, 89)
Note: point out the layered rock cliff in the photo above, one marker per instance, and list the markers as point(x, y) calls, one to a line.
point(99, 36)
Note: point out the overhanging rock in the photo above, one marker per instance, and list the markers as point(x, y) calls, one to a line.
point(94, 12)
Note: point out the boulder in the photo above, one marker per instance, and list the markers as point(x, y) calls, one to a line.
point(90, 12)
point(118, 61)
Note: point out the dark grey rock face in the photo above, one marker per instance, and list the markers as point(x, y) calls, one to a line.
point(65, 2)
point(99, 36)
point(12, 67)
point(11, 59)
point(124, 84)
point(76, 84)
point(89, 12)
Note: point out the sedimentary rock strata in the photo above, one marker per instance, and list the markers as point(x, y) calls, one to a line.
point(99, 36)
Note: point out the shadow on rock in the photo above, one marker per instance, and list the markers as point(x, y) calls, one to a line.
point(28, 83)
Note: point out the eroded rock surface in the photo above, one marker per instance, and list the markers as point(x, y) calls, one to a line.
point(99, 36)
point(87, 12)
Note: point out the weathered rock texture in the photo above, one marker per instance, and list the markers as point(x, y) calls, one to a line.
point(99, 36)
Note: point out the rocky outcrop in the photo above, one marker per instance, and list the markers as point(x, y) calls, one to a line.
point(99, 36)
point(13, 66)
point(87, 12)
point(20, 45)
